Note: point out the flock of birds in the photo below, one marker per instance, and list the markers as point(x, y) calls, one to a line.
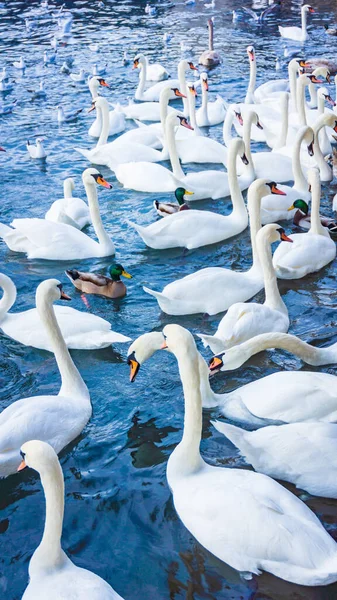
point(243, 517)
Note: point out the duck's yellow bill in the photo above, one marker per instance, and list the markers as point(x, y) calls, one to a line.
point(126, 274)
point(188, 193)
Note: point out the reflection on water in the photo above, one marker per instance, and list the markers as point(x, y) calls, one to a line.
point(119, 518)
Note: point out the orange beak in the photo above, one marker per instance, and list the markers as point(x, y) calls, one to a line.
point(104, 183)
point(179, 94)
point(285, 238)
point(205, 84)
point(134, 368)
point(192, 67)
point(164, 345)
point(21, 466)
point(135, 64)
point(104, 83)
point(64, 296)
point(274, 190)
point(215, 363)
point(193, 91)
point(335, 127)
point(251, 55)
point(311, 10)
point(314, 79)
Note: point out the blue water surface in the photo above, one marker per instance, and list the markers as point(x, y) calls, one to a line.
point(119, 519)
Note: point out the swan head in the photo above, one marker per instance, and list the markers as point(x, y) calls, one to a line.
point(238, 148)
point(91, 176)
point(174, 120)
point(191, 89)
point(191, 66)
point(37, 455)
point(204, 81)
point(51, 290)
point(322, 72)
point(142, 349)
point(178, 340)
point(229, 360)
point(273, 233)
point(251, 53)
point(324, 93)
point(139, 61)
point(307, 8)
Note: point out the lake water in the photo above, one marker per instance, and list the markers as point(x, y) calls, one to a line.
point(119, 518)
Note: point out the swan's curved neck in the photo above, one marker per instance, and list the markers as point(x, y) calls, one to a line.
point(247, 126)
point(210, 35)
point(272, 294)
point(93, 87)
point(254, 210)
point(204, 103)
point(172, 149)
point(302, 82)
point(191, 107)
point(8, 297)
point(49, 555)
point(290, 343)
point(186, 459)
point(292, 71)
point(316, 226)
point(72, 382)
point(142, 79)
point(227, 127)
point(182, 67)
point(324, 169)
point(313, 95)
point(239, 208)
point(103, 238)
point(300, 182)
point(282, 139)
point(163, 106)
point(104, 114)
point(209, 398)
point(249, 99)
point(304, 21)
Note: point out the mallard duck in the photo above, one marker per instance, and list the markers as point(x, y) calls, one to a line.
point(330, 30)
point(168, 208)
point(95, 283)
point(302, 217)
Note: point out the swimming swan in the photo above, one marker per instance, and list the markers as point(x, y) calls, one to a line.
point(69, 210)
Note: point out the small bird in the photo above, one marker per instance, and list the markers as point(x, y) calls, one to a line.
point(330, 30)
point(259, 18)
point(210, 4)
point(95, 283)
point(150, 10)
point(65, 68)
point(49, 58)
point(167, 37)
point(67, 117)
point(54, 42)
point(94, 47)
point(40, 92)
point(302, 217)
point(164, 209)
point(98, 70)
point(20, 64)
point(37, 151)
point(79, 77)
point(126, 60)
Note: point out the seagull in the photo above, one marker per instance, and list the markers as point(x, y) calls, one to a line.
point(94, 47)
point(167, 37)
point(37, 151)
point(126, 60)
point(20, 64)
point(40, 92)
point(65, 68)
point(66, 117)
point(259, 18)
point(79, 77)
point(49, 58)
point(98, 70)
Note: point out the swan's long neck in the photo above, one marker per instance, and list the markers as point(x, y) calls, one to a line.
point(300, 182)
point(182, 66)
point(191, 105)
point(290, 343)
point(102, 236)
point(239, 208)
point(325, 170)
point(186, 458)
point(247, 126)
point(49, 556)
point(304, 21)
point(313, 95)
point(254, 210)
point(292, 70)
point(249, 99)
point(142, 79)
point(316, 226)
point(172, 149)
point(227, 127)
point(272, 294)
point(163, 106)
point(322, 136)
point(302, 82)
point(209, 398)
point(104, 112)
point(68, 186)
point(8, 297)
point(204, 102)
point(210, 35)
point(72, 382)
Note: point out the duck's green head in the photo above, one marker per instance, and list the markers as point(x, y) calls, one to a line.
point(180, 193)
point(116, 270)
point(301, 205)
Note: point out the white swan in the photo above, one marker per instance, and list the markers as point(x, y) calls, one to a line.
point(119, 151)
point(236, 356)
point(210, 113)
point(69, 210)
point(284, 397)
point(80, 330)
point(156, 178)
point(301, 453)
point(246, 320)
point(310, 251)
point(54, 419)
point(39, 238)
point(271, 89)
point(153, 93)
point(194, 228)
point(243, 518)
point(215, 289)
point(156, 71)
point(299, 34)
point(277, 208)
point(52, 574)
point(153, 111)
point(116, 117)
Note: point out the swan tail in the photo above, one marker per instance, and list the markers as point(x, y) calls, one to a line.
point(212, 341)
point(139, 123)
point(170, 306)
point(117, 338)
point(139, 228)
point(234, 434)
point(84, 152)
point(4, 229)
point(226, 104)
